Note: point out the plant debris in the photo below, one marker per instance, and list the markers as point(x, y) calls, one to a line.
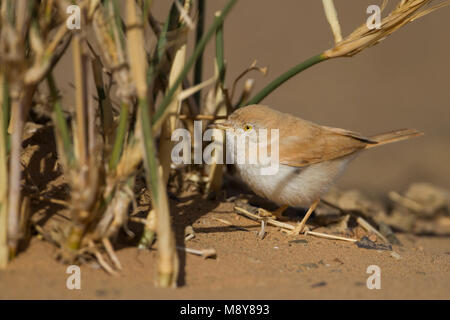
point(366, 243)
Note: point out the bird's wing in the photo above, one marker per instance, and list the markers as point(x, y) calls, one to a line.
point(313, 144)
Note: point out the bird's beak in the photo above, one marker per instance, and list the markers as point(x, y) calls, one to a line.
point(224, 125)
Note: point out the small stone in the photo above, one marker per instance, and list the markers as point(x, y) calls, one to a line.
point(309, 266)
point(319, 284)
point(396, 255)
point(305, 242)
point(94, 265)
point(386, 231)
point(366, 243)
point(336, 270)
point(100, 293)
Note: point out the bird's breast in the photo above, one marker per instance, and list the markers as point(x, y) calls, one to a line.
point(294, 186)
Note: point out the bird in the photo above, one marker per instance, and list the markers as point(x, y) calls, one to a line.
point(311, 157)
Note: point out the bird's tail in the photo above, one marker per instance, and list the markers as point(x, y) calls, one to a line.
point(393, 136)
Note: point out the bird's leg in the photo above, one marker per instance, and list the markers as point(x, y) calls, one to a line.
point(299, 228)
point(277, 213)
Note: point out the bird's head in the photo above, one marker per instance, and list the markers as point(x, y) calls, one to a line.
point(248, 120)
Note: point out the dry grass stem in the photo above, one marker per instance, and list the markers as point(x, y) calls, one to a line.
point(328, 236)
point(112, 255)
point(102, 261)
point(362, 38)
point(204, 253)
point(167, 256)
point(270, 221)
point(252, 67)
point(166, 144)
point(183, 95)
point(3, 180)
point(332, 17)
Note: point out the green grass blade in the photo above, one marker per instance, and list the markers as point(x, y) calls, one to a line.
point(120, 137)
point(220, 52)
point(151, 162)
point(198, 69)
point(285, 77)
point(61, 123)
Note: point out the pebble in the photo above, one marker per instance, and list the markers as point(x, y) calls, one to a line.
point(421, 273)
point(94, 265)
point(309, 266)
point(101, 293)
point(319, 284)
point(386, 231)
point(305, 242)
point(366, 243)
point(396, 255)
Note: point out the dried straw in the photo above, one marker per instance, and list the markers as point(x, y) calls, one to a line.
point(362, 38)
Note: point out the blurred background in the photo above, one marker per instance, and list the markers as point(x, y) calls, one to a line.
point(403, 82)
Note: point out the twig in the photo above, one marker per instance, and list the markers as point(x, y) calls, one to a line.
point(262, 231)
point(329, 236)
point(252, 67)
point(269, 220)
point(189, 237)
point(50, 200)
point(204, 253)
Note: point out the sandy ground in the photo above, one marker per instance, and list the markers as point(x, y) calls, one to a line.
point(278, 267)
point(402, 82)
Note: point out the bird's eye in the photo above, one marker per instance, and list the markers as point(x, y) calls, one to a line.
point(248, 127)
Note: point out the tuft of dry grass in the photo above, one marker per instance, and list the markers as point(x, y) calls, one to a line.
point(361, 38)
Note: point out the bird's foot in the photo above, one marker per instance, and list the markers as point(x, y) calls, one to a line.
point(299, 230)
point(265, 213)
point(277, 214)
